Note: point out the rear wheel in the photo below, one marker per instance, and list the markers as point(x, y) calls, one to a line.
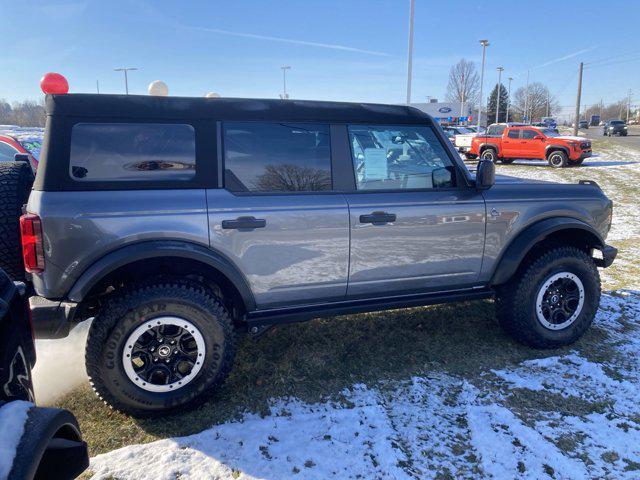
point(158, 347)
point(558, 159)
point(552, 300)
point(489, 154)
point(16, 179)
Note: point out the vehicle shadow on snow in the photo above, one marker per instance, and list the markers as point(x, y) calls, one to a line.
point(317, 360)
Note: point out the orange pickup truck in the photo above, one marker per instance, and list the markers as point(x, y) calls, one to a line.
point(507, 142)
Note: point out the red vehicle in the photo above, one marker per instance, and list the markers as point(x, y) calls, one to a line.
point(25, 140)
point(507, 142)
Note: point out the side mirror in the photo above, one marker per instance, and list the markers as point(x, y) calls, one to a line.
point(21, 157)
point(485, 174)
point(538, 137)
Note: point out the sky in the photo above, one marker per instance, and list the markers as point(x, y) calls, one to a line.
point(348, 50)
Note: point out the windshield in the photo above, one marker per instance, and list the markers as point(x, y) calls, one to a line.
point(617, 122)
point(464, 130)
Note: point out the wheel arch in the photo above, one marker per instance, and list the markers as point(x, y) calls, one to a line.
point(553, 148)
point(155, 252)
point(567, 230)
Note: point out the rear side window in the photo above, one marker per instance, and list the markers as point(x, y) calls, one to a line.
point(496, 129)
point(276, 157)
point(132, 152)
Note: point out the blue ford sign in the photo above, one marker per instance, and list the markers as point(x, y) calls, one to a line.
point(444, 109)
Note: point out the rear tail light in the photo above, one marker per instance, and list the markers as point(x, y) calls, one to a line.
point(32, 246)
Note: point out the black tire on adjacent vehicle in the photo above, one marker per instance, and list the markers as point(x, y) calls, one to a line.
point(526, 312)
point(195, 312)
point(489, 154)
point(558, 159)
point(16, 179)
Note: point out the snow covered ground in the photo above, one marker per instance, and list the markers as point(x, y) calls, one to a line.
point(571, 415)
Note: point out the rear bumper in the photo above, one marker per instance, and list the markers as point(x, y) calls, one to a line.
point(608, 256)
point(51, 318)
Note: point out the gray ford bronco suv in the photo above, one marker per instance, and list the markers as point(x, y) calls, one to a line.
point(176, 223)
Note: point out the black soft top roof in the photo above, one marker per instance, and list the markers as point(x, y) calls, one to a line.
point(197, 108)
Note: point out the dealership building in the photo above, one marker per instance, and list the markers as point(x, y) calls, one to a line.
point(447, 113)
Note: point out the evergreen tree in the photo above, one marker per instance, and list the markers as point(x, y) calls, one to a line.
point(492, 104)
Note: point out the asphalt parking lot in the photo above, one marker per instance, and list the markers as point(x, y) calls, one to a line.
point(631, 140)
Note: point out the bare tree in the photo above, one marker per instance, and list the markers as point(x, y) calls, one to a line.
point(463, 83)
point(539, 102)
point(287, 177)
point(26, 114)
point(616, 110)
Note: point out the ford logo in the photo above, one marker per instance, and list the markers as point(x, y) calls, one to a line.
point(444, 109)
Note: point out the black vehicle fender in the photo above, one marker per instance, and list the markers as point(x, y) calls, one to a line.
point(485, 145)
point(555, 147)
point(520, 246)
point(155, 249)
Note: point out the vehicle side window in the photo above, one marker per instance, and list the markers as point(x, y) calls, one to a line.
point(276, 157)
point(132, 152)
point(496, 129)
point(6, 152)
point(399, 158)
point(529, 134)
point(514, 134)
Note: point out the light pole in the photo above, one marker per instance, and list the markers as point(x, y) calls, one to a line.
point(500, 70)
point(485, 44)
point(526, 100)
point(410, 52)
point(509, 101)
point(284, 68)
point(126, 80)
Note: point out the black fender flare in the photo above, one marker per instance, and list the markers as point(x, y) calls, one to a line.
point(155, 249)
point(484, 146)
point(515, 252)
point(556, 147)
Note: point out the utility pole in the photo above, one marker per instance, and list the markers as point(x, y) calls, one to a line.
point(577, 122)
point(509, 102)
point(485, 44)
point(97, 86)
point(284, 68)
point(410, 52)
point(526, 100)
point(462, 95)
point(126, 80)
point(628, 106)
point(547, 103)
point(498, 90)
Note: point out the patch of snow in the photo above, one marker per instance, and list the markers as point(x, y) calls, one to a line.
point(13, 416)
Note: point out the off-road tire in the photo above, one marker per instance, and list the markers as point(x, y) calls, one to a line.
point(130, 308)
point(516, 299)
point(558, 159)
point(489, 154)
point(16, 179)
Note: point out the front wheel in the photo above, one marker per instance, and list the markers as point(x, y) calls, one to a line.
point(158, 347)
point(558, 159)
point(552, 300)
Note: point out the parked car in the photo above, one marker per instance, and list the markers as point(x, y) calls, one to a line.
point(50, 445)
point(193, 220)
point(615, 127)
point(583, 124)
point(21, 140)
point(462, 137)
point(527, 142)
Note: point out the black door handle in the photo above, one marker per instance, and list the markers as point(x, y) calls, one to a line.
point(378, 218)
point(241, 223)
